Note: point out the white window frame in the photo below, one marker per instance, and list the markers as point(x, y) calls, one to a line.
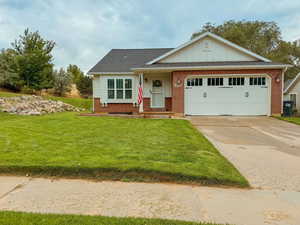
point(290, 95)
point(236, 81)
point(123, 100)
point(215, 81)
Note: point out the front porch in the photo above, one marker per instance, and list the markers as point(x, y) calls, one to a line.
point(157, 93)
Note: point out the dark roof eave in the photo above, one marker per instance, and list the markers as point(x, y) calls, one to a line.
point(215, 67)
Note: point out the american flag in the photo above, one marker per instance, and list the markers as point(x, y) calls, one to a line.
point(140, 94)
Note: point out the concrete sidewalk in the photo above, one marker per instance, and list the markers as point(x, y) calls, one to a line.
point(170, 201)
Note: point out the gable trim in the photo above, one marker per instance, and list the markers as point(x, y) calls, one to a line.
point(108, 73)
point(296, 79)
point(214, 36)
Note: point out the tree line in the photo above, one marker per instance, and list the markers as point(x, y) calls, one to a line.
point(27, 66)
point(263, 38)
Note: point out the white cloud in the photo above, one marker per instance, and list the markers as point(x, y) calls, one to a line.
point(85, 30)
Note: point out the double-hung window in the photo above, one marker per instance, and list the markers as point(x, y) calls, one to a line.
point(119, 88)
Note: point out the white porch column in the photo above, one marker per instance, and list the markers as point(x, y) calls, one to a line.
point(141, 82)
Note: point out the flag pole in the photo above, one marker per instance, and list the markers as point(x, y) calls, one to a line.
point(141, 81)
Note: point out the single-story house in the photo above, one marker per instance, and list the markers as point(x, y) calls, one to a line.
point(292, 91)
point(207, 75)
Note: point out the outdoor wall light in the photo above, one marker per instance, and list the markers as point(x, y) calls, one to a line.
point(178, 82)
point(277, 79)
point(146, 80)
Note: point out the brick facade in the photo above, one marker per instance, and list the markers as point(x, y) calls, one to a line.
point(178, 79)
point(114, 107)
point(147, 105)
point(176, 102)
point(128, 107)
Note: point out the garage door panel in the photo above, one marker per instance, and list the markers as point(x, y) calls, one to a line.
point(227, 100)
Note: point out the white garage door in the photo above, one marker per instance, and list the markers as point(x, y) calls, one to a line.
point(244, 95)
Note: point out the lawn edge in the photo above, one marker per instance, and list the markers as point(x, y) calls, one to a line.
point(247, 184)
point(100, 217)
point(285, 120)
point(114, 174)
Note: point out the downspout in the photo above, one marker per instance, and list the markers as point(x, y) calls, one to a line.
point(93, 95)
point(282, 87)
point(141, 79)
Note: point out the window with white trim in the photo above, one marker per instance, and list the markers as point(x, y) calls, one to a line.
point(236, 81)
point(215, 81)
point(257, 81)
point(119, 88)
point(293, 98)
point(194, 82)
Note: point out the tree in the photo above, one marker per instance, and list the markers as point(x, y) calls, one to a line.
point(84, 86)
point(62, 82)
point(263, 38)
point(8, 78)
point(33, 60)
point(76, 73)
point(83, 83)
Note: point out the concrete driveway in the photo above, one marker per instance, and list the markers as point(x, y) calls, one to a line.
point(265, 150)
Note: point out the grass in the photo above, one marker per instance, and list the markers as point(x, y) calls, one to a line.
point(77, 102)
point(295, 120)
point(17, 218)
point(68, 145)
point(4, 94)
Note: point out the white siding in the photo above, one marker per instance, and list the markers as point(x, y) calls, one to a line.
point(207, 50)
point(100, 88)
point(96, 87)
point(294, 90)
point(165, 77)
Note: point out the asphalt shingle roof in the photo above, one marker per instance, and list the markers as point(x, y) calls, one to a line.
point(122, 60)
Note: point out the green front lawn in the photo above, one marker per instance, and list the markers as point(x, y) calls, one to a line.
point(68, 145)
point(295, 120)
point(16, 218)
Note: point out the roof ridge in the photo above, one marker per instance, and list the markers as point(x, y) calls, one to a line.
point(139, 48)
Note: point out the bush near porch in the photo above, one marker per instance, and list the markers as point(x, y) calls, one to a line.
point(68, 145)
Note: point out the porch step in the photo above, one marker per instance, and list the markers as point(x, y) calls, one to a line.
point(149, 114)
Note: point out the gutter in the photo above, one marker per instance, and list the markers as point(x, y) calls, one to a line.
point(110, 73)
point(169, 69)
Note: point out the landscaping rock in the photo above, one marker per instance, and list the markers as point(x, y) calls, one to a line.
point(34, 105)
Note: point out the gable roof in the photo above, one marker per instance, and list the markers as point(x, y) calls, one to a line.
point(208, 34)
point(291, 83)
point(122, 60)
point(130, 61)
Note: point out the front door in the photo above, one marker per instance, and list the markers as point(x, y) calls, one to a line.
point(157, 94)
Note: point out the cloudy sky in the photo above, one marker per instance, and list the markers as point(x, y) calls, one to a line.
point(85, 30)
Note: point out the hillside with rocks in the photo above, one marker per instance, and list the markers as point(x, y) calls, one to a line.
point(34, 105)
